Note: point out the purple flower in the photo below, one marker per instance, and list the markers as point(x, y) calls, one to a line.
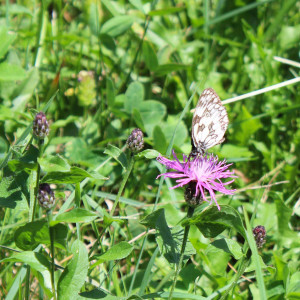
point(205, 171)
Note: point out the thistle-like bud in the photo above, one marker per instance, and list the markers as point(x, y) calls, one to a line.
point(40, 125)
point(135, 142)
point(189, 195)
point(46, 196)
point(259, 233)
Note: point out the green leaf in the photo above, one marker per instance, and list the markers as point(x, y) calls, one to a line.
point(116, 252)
point(151, 220)
point(149, 153)
point(64, 123)
point(138, 4)
point(15, 9)
point(74, 275)
point(35, 260)
point(217, 260)
point(166, 11)
point(13, 189)
point(150, 56)
point(289, 36)
point(212, 221)
point(234, 153)
point(110, 92)
point(170, 240)
point(10, 72)
point(6, 40)
point(181, 130)
point(27, 162)
point(152, 112)
point(75, 215)
point(284, 215)
point(229, 246)
point(54, 163)
point(138, 119)
point(244, 127)
point(117, 25)
point(134, 96)
point(169, 68)
point(117, 154)
point(75, 175)
point(32, 234)
point(27, 86)
point(98, 293)
point(160, 142)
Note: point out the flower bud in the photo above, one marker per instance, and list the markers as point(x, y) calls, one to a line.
point(40, 125)
point(259, 233)
point(46, 196)
point(135, 141)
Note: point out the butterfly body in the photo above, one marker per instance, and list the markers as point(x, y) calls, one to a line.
point(210, 122)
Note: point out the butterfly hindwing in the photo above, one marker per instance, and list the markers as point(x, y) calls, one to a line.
point(210, 121)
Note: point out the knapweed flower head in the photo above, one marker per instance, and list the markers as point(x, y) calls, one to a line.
point(259, 233)
point(40, 125)
point(135, 141)
point(46, 196)
point(204, 173)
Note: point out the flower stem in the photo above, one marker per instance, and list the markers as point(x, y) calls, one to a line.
point(185, 237)
point(51, 232)
point(125, 178)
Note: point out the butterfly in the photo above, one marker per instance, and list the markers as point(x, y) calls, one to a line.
point(210, 122)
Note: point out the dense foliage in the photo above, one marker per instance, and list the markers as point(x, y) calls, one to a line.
point(99, 69)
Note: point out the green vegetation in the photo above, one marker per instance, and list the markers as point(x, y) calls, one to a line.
point(99, 69)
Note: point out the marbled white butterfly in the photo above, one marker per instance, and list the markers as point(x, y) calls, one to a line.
point(210, 122)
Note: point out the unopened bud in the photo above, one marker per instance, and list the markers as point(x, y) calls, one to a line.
point(40, 125)
point(135, 142)
point(259, 233)
point(46, 196)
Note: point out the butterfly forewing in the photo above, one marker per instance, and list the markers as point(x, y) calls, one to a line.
point(210, 121)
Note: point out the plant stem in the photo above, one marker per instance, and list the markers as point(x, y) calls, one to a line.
point(41, 34)
point(37, 184)
point(51, 233)
point(185, 237)
point(125, 178)
point(32, 212)
point(146, 25)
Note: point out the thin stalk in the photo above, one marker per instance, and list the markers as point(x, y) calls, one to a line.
point(147, 22)
point(27, 283)
point(261, 91)
point(242, 266)
point(125, 178)
point(137, 266)
point(77, 204)
point(51, 233)
point(185, 237)
point(206, 28)
point(32, 212)
point(41, 35)
point(37, 184)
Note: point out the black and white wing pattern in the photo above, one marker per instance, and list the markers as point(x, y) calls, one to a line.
point(210, 121)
